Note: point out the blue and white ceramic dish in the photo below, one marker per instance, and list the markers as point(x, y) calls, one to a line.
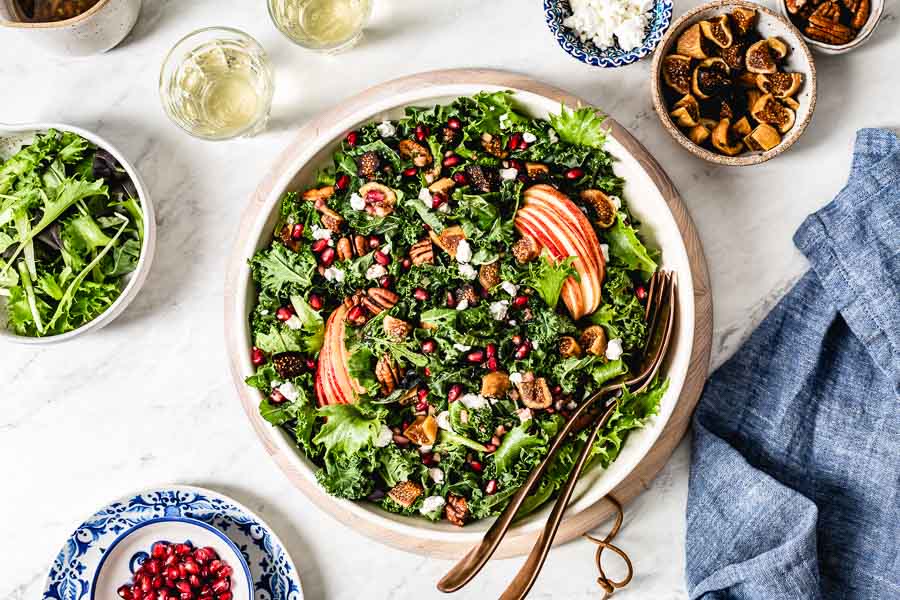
point(271, 570)
point(555, 11)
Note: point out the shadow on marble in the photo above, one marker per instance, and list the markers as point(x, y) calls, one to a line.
point(151, 20)
point(301, 552)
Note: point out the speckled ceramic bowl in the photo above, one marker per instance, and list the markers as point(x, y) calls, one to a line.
point(555, 11)
point(94, 31)
point(877, 8)
point(769, 24)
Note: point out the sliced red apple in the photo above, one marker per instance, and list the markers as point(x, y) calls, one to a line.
point(561, 228)
point(333, 382)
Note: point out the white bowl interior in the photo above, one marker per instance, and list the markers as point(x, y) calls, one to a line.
point(127, 553)
point(12, 138)
point(659, 229)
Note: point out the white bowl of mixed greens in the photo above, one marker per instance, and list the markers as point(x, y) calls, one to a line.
point(77, 232)
point(421, 403)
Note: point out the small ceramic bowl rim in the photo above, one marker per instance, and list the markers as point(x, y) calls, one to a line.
point(862, 37)
point(138, 276)
point(53, 24)
point(194, 522)
point(662, 111)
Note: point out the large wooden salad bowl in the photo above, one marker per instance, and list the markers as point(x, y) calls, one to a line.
point(666, 223)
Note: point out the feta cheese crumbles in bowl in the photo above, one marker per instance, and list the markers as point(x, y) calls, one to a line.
point(608, 33)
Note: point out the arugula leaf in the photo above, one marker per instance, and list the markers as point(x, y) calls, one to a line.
point(514, 442)
point(626, 247)
point(547, 278)
point(582, 126)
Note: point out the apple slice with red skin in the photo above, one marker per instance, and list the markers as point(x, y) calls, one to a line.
point(333, 382)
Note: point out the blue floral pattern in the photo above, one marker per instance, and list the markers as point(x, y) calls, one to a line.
point(274, 574)
point(557, 10)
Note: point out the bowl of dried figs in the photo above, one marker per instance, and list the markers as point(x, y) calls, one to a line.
point(834, 26)
point(734, 83)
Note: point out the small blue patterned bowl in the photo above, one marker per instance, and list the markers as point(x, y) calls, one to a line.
point(555, 11)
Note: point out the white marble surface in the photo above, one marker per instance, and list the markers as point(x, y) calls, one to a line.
point(148, 399)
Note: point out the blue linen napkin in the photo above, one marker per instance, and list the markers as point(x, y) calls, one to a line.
point(795, 478)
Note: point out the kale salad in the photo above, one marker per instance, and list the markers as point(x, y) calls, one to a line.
point(439, 302)
point(71, 230)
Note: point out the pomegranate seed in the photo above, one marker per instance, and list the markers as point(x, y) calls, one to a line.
point(318, 245)
point(476, 466)
point(450, 299)
point(213, 555)
point(172, 572)
point(386, 282)
point(459, 178)
point(427, 371)
point(381, 258)
point(490, 448)
point(454, 393)
point(556, 391)
point(374, 242)
point(493, 364)
point(183, 586)
point(182, 574)
point(311, 364)
point(352, 138)
point(422, 393)
point(215, 565)
point(159, 550)
point(437, 199)
point(641, 293)
point(514, 141)
point(151, 566)
point(327, 256)
point(410, 172)
point(427, 458)
point(451, 160)
point(454, 123)
point(422, 132)
point(520, 301)
point(149, 596)
point(191, 566)
point(491, 487)
point(124, 591)
point(186, 596)
point(284, 313)
point(491, 351)
point(221, 585)
point(400, 440)
point(429, 346)
point(195, 582)
point(342, 182)
point(522, 351)
point(316, 301)
point(421, 406)
point(574, 174)
point(357, 314)
point(257, 356)
point(275, 397)
point(516, 164)
point(421, 294)
point(475, 356)
point(406, 264)
point(224, 596)
point(297, 231)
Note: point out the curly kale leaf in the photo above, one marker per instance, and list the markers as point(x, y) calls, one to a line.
point(281, 272)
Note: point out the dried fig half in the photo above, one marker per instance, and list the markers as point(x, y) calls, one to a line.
point(733, 55)
point(778, 47)
point(764, 137)
point(747, 80)
point(691, 43)
point(769, 110)
point(780, 85)
point(759, 58)
point(710, 77)
point(677, 72)
point(718, 31)
point(686, 111)
point(744, 20)
point(721, 139)
point(791, 104)
point(699, 134)
point(742, 127)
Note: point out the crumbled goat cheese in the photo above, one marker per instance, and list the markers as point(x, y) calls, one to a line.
point(376, 271)
point(424, 449)
point(529, 137)
point(321, 233)
point(473, 401)
point(385, 436)
point(443, 208)
point(436, 474)
point(289, 391)
point(275, 383)
point(499, 309)
point(467, 271)
point(509, 287)
point(604, 249)
point(294, 323)
point(462, 347)
point(604, 22)
point(386, 129)
point(463, 252)
point(572, 405)
point(504, 120)
point(431, 504)
point(357, 202)
point(616, 201)
point(614, 349)
point(443, 420)
point(524, 414)
point(515, 378)
point(552, 135)
point(334, 274)
point(534, 344)
point(462, 305)
point(425, 197)
point(509, 174)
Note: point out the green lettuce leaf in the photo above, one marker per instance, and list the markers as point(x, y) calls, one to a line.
point(625, 246)
point(347, 429)
point(582, 126)
point(547, 278)
point(514, 442)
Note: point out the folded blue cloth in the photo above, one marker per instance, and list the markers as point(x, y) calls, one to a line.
point(795, 480)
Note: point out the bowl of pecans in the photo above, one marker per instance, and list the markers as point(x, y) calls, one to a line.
point(834, 26)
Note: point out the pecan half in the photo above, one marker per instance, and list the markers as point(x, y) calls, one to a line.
point(344, 249)
point(861, 14)
point(387, 374)
point(568, 347)
point(830, 33)
point(526, 249)
point(419, 154)
point(456, 510)
point(422, 252)
point(493, 145)
point(396, 328)
point(379, 299)
point(405, 493)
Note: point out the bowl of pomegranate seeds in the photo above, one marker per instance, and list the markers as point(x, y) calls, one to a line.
point(173, 558)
